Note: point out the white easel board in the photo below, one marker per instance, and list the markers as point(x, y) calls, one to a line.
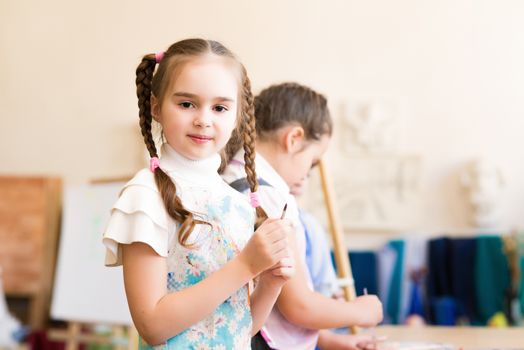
point(84, 289)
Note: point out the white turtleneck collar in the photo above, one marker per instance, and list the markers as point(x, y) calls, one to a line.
point(201, 171)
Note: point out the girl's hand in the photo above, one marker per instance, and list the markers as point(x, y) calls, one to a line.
point(369, 309)
point(279, 274)
point(267, 246)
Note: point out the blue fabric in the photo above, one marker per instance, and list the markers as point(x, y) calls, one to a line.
point(439, 274)
point(462, 254)
point(416, 304)
point(438, 283)
point(445, 310)
point(393, 308)
point(386, 258)
point(492, 277)
point(364, 268)
point(309, 255)
point(318, 259)
point(522, 284)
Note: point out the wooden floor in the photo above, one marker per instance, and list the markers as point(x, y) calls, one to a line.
point(466, 338)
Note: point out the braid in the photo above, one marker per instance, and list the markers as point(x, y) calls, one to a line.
point(249, 137)
point(144, 76)
point(175, 208)
point(166, 186)
point(233, 144)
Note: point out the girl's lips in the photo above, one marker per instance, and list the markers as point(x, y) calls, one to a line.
point(200, 139)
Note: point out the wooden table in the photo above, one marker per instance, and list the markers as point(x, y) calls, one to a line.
point(467, 338)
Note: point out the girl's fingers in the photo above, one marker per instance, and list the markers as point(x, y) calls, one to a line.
point(277, 234)
point(276, 272)
point(282, 254)
point(287, 261)
point(284, 272)
point(276, 228)
point(279, 246)
point(275, 239)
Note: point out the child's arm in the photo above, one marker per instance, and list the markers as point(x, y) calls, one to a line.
point(159, 316)
point(309, 309)
point(267, 291)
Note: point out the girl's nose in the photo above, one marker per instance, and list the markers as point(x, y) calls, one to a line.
point(203, 119)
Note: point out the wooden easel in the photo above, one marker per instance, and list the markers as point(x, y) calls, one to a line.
point(121, 337)
point(339, 247)
point(73, 337)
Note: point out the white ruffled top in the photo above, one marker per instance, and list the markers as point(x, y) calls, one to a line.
point(139, 215)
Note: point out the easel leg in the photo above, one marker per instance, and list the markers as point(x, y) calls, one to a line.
point(133, 338)
point(73, 331)
point(118, 333)
point(335, 228)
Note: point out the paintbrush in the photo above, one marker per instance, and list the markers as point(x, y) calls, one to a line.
point(283, 212)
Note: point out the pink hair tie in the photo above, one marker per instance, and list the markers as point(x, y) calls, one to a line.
point(159, 56)
point(253, 198)
point(153, 164)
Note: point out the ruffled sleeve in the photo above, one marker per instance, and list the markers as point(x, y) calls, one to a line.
point(138, 215)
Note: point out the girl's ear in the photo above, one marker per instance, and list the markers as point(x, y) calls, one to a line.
point(294, 138)
point(155, 108)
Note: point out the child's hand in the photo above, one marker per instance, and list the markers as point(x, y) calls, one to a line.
point(369, 309)
point(267, 246)
point(279, 274)
point(338, 295)
point(335, 341)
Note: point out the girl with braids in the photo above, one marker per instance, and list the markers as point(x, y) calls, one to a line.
point(184, 237)
point(294, 127)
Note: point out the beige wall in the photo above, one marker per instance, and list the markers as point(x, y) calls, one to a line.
point(68, 97)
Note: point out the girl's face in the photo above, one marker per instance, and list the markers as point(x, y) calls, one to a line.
point(297, 165)
point(199, 110)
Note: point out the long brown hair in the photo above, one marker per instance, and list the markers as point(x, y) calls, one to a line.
point(150, 83)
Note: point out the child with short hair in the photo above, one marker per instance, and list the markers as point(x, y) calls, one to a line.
point(184, 237)
point(294, 128)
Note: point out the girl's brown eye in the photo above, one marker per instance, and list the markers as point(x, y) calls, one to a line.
point(220, 108)
point(186, 104)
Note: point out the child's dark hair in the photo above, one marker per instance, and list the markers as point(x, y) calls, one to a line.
point(292, 103)
point(289, 103)
point(150, 83)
